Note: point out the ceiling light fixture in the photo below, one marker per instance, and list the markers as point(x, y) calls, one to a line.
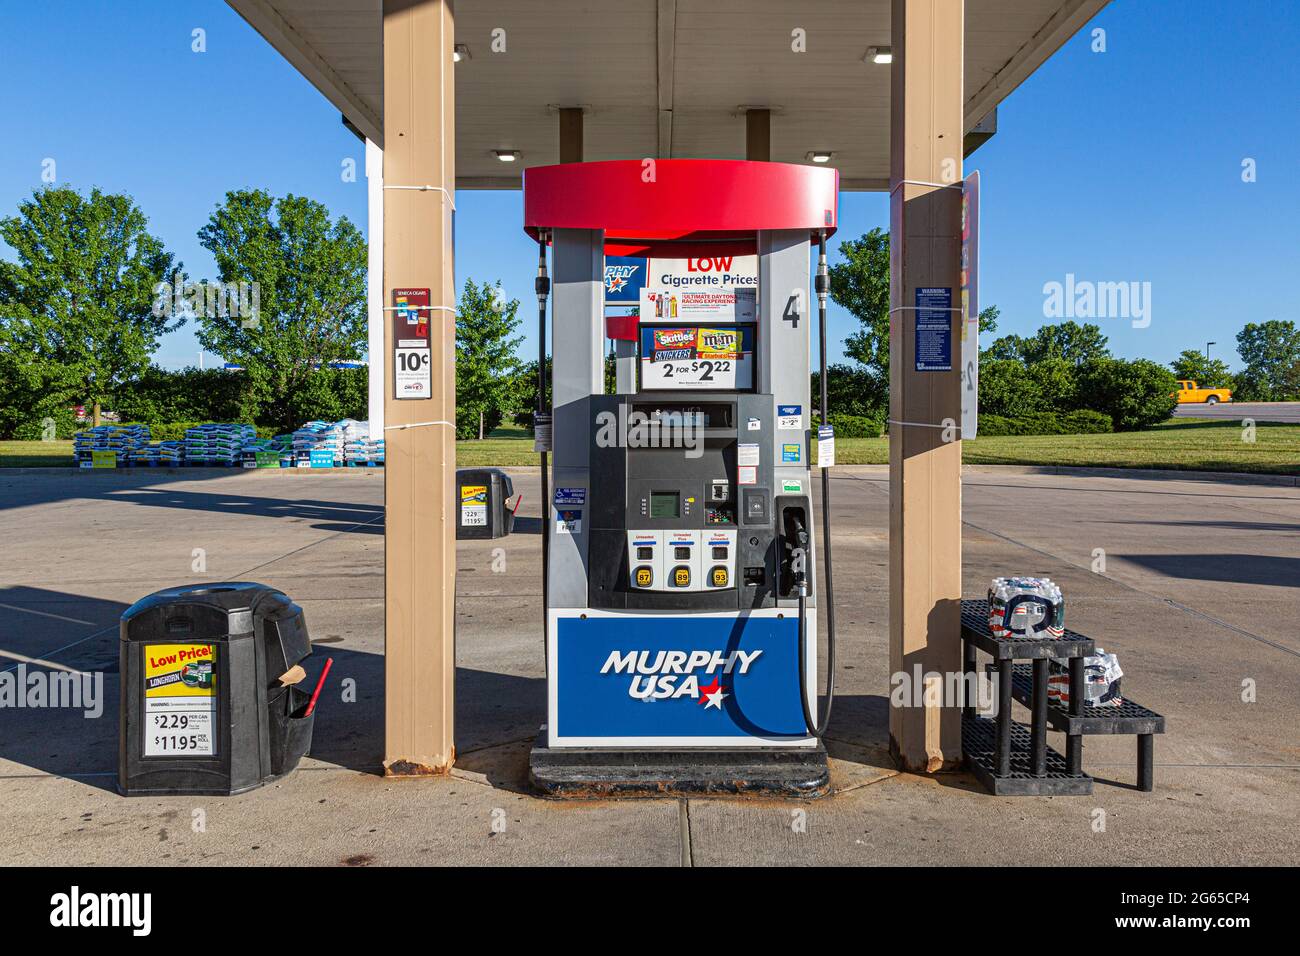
point(819, 156)
point(506, 155)
point(879, 54)
point(460, 52)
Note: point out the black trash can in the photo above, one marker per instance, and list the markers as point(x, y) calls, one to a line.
point(203, 710)
point(482, 512)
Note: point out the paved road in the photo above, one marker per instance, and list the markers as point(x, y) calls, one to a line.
point(1198, 595)
point(1236, 411)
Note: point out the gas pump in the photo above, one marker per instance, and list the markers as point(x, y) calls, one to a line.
point(680, 585)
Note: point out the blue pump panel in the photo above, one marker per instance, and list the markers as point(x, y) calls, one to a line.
point(700, 680)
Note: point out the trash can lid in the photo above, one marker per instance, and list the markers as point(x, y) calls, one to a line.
point(228, 597)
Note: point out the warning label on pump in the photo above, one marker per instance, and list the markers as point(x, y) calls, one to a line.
point(180, 699)
point(473, 506)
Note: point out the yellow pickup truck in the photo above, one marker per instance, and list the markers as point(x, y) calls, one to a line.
point(1189, 391)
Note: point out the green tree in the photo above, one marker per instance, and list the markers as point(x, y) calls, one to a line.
point(78, 313)
point(860, 284)
point(525, 392)
point(1009, 348)
point(486, 367)
point(850, 390)
point(1209, 373)
point(1270, 352)
point(1068, 340)
point(307, 275)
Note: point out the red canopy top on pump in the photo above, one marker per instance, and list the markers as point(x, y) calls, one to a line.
point(641, 203)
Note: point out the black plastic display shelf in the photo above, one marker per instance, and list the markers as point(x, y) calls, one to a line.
point(978, 739)
point(975, 628)
point(1126, 718)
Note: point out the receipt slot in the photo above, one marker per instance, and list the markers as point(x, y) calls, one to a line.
point(681, 596)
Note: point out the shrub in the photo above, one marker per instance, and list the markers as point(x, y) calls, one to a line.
point(852, 390)
point(1046, 423)
point(1006, 388)
point(32, 427)
point(1134, 394)
point(189, 395)
point(1085, 421)
point(175, 431)
point(853, 426)
point(196, 395)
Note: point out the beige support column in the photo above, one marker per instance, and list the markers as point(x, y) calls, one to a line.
point(419, 534)
point(924, 462)
point(758, 135)
point(571, 134)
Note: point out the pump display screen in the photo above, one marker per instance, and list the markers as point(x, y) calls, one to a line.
point(665, 504)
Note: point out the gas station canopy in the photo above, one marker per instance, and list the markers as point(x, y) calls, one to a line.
point(664, 78)
point(697, 200)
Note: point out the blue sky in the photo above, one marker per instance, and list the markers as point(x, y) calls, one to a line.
point(1115, 166)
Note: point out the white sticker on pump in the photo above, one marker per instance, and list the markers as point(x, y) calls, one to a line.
point(747, 454)
point(746, 475)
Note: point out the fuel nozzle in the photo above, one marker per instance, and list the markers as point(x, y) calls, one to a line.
point(822, 280)
point(542, 284)
point(798, 554)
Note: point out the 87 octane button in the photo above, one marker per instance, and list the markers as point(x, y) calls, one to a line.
point(411, 373)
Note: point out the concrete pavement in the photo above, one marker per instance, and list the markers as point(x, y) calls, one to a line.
point(1193, 583)
point(1236, 411)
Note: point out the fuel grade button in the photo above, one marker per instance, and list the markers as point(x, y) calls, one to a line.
point(645, 577)
point(718, 576)
point(681, 577)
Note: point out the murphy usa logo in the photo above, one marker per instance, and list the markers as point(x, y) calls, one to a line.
point(618, 276)
point(668, 675)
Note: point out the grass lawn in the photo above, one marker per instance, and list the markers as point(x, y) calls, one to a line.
point(35, 454)
point(1191, 443)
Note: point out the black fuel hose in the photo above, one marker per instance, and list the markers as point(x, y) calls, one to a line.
point(542, 286)
point(816, 728)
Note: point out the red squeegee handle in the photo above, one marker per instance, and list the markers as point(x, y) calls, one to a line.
point(311, 705)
